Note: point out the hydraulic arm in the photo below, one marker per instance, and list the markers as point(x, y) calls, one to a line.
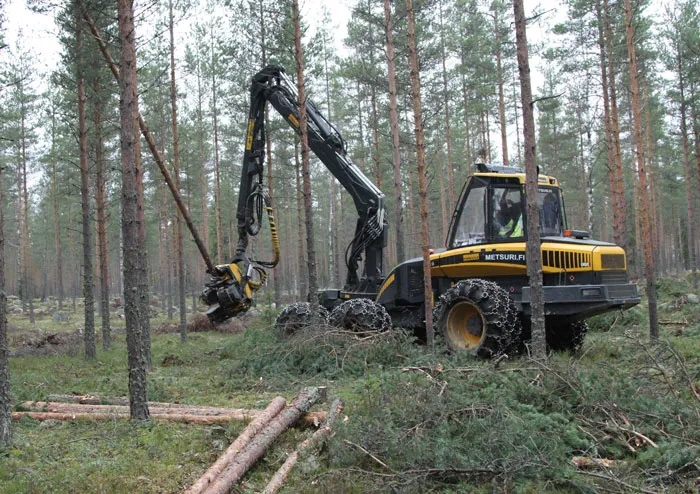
point(226, 294)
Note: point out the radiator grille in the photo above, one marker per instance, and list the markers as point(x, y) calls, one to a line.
point(415, 281)
point(565, 260)
point(612, 261)
point(613, 277)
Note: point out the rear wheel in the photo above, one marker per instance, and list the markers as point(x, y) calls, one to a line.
point(297, 316)
point(477, 316)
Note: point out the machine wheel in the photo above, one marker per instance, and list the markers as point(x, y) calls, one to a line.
point(297, 316)
point(361, 314)
point(567, 336)
point(478, 316)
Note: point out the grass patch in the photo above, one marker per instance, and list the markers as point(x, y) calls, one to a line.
point(433, 421)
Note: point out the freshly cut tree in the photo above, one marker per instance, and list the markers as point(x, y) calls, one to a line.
point(132, 214)
point(534, 261)
point(422, 180)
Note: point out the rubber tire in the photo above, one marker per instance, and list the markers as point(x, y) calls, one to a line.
point(297, 316)
point(566, 336)
point(502, 328)
point(360, 315)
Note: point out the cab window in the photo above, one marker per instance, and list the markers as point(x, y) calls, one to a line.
point(471, 223)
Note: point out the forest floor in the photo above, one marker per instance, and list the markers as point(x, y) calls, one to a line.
point(431, 421)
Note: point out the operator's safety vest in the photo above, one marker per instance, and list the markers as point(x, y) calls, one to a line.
point(513, 230)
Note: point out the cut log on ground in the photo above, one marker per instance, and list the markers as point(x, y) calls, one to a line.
point(62, 411)
point(315, 441)
point(102, 400)
point(209, 477)
point(255, 450)
point(42, 406)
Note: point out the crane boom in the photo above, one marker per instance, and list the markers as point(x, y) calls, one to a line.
point(230, 290)
point(274, 86)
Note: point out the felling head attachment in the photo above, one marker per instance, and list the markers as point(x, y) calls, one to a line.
point(230, 290)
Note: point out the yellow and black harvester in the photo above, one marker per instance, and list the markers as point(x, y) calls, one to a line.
point(480, 286)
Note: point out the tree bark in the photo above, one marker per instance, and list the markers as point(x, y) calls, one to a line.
point(23, 200)
point(132, 213)
point(217, 170)
point(261, 421)
point(305, 173)
point(394, 124)
point(641, 171)
point(533, 256)
point(501, 96)
point(180, 249)
point(422, 179)
point(54, 201)
point(101, 206)
point(618, 191)
point(88, 282)
point(303, 275)
point(5, 395)
point(688, 171)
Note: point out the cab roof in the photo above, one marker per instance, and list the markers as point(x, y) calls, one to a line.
point(499, 171)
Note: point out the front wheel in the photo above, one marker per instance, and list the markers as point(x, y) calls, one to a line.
point(479, 317)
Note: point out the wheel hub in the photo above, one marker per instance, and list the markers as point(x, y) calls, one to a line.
point(465, 325)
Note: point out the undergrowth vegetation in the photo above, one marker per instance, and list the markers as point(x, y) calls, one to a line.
point(416, 421)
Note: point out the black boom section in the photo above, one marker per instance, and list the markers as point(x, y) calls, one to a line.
point(274, 86)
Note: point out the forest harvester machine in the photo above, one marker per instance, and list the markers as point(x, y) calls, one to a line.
point(479, 280)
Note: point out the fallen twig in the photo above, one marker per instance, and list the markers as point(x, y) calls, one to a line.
point(617, 481)
point(349, 443)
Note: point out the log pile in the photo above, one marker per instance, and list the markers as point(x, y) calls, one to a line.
point(252, 443)
point(264, 428)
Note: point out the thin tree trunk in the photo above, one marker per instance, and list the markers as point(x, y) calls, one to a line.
point(23, 199)
point(688, 173)
point(303, 274)
point(56, 226)
point(448, 131)
point(305, 173)
point(268, 148)
point(394, 123)
point(618, 192)
point(5, 395)
point(217, 171)
point(606, 114)
point(204, 174)
point(101, 203)
point(179, 249)
point(88, 283)
point(422, 179)
point(533, 256)
point(132, 213)
point(501, 97)
point(641, 170)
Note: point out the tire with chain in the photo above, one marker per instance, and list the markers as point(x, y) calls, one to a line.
point(479, 317)
point(566, 336)
point(297, 316)
point(361, 314)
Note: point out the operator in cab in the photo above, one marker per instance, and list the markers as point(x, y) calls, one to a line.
point(510, 218)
